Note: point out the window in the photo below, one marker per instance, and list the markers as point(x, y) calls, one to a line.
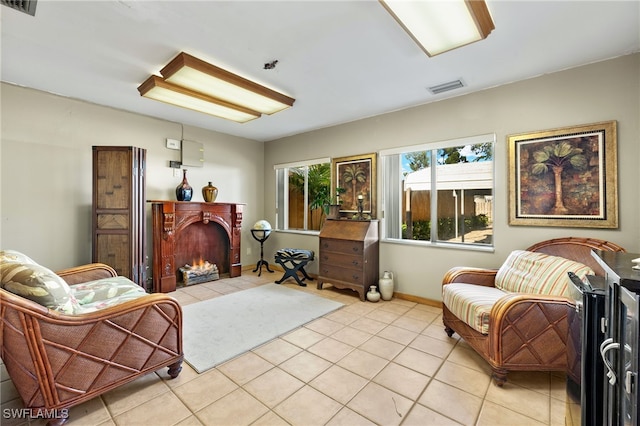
point(440, 192)
point(303, 192)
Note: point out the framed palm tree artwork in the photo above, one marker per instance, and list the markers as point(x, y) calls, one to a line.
point(564, 177)
point(356, 176)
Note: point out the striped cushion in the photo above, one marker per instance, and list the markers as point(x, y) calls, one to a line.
point(295, 254)
point(471, 303)
point(538, 273)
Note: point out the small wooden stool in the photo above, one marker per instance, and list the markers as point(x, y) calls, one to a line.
point(292, 261)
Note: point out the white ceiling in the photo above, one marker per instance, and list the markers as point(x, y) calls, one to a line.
point(341, 60)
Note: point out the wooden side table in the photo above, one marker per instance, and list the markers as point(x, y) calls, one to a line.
point(261, 235)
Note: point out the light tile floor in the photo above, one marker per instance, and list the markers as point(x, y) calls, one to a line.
point(385, 363)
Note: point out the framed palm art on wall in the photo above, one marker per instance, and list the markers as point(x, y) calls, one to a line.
point(564, 177)
point(357, 176)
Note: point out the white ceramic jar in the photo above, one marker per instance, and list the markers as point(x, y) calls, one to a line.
point(372, 294)
point(385, 284)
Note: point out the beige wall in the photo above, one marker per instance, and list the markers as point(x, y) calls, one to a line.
point(46, 161)
point(45, 158)
point(608, 90)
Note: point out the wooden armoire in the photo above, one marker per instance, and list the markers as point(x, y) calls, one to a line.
point(118, 213)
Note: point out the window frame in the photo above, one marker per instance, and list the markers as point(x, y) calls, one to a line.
point(282, 188)
point(391, 200)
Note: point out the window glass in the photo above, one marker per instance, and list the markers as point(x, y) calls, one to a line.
point(440, 192)
point(302, 195)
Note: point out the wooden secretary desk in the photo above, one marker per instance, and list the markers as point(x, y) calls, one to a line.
point(349, 255)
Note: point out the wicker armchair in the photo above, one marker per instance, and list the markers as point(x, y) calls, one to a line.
point(526, 332)
point(57, 360)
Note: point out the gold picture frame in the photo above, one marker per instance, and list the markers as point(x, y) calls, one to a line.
point(357, 175)
point(566, 177)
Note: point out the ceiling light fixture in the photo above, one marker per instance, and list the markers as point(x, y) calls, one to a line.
point(440, 26)
point(158, 89)
point(195, 84)
point(195, 74)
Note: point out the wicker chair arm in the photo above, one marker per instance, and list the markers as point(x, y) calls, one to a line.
point(59, 360)
point(161, 300)
point(44, 314)
point(85, 273)
point(529, 330)
point(468, 275)
point(504, 305)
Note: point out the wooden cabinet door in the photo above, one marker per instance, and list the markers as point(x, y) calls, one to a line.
point(118, 214)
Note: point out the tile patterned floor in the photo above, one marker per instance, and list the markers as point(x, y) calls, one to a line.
point(385, 363)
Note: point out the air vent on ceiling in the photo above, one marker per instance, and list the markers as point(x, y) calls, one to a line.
point(26, 6)
point(445, 87)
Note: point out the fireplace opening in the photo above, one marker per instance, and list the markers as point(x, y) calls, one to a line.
point(199, 271)
point(201, 244)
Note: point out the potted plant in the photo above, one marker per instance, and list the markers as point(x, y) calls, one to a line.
point(333, 209)
point(329, 203)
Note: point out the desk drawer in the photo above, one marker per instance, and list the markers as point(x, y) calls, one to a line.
point(343, 274)
point(342, 246)
point(351, 261)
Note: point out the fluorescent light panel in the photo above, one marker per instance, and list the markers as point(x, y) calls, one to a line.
point(191, 83)
point(190, 72)
point(158, 89)
point(440, 26)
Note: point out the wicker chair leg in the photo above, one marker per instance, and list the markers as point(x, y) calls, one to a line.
point(175, 369)
point(448, 330)
point(499, 376)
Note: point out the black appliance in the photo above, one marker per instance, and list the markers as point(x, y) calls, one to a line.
point(585, 377)
point(628, 395)
point(620, 350)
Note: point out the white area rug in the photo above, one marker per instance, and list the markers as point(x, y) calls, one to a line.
point(222, 328)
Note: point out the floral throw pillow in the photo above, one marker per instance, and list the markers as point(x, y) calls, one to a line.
point(36, 283)
point(15, 256)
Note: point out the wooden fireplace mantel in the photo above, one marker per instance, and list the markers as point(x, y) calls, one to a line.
point(184, 231)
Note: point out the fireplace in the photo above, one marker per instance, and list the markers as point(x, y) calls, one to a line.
point(187, 231)
point(199, 272)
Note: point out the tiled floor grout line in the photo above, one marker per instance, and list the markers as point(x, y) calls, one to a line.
point(389, 361)
point(414, 317)
point(444, 360)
